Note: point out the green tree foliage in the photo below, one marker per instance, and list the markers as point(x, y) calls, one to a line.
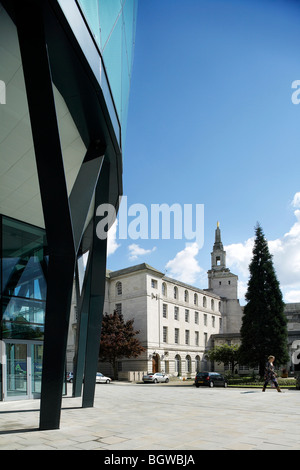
point(264, 325)
point(228, 355)
point(118, 340)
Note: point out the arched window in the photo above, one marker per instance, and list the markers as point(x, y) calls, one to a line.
point(195, 299)
point(197, 363)
point(186, 296)
point(212, 303)
point(188, 364)
point(119, 288)
point(204, 301)
point(178, 364)
point(164, 289)
point(175, 293)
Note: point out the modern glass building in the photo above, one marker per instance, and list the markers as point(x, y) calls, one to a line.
point(65, 67)
point(23, 274)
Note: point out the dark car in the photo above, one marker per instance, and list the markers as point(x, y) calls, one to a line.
point(210, 379)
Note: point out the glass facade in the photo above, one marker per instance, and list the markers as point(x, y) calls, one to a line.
point(23, 280)
point(113, 25)
point(23, 273)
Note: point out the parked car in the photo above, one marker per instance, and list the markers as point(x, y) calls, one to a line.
point(70, 377)
point(210, 379)
point(154, 378)
point(100, 378)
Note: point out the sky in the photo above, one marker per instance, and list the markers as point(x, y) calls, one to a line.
point(213, 122)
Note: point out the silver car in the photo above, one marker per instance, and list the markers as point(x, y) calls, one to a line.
point(155, 378)
point(100, 378)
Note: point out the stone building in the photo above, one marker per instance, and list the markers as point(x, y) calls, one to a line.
point(178, 322)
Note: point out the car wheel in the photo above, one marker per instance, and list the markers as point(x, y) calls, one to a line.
point(155, 381)
point(108, 381)
point(197, 386)
point(167, 380)
point(211, 384)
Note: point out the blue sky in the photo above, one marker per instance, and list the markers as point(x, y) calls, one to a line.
point(211, 121)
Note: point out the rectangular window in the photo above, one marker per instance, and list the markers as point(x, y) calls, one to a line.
point(205, 339)
point(213, 321)
point(165, 334)
point(176, 313)
point(153, 283)
point(176, 338)
point(187, 337)
point(197, 318)
point(205, 319)
point(119, 309)
point(187, 315)
point(165, 310)
point(196, 338)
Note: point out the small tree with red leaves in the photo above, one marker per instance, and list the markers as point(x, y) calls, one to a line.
point(118, 340)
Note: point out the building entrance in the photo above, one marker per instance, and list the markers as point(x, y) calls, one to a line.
point(22, 369)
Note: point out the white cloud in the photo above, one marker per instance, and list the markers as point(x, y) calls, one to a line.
point(184, 266)
point(135, 251)
point(286, 258)
point(238, 256)
point(112, 244)
point(296, 200)
point(292, 296)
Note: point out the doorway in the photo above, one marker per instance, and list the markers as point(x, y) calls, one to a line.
point(155, 363)
point(22, 369)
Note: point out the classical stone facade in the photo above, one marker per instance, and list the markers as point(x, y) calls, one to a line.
point(178, 322)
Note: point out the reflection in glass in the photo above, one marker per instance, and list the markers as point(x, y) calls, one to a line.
point(36, 368)
point(24, 280)
point(16, 369)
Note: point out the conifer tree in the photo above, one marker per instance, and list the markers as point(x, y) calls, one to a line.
point(264, 325)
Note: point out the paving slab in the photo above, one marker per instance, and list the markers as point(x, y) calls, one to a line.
point(153, 417)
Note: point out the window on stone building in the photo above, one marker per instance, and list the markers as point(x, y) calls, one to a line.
point(205, 319)
point(164, 289)
point(188, 364)
point(176, 313)
point(187, 315)
point(204, 301)
point(119, 309)
point(195, 299)
point(213, 321)
point(205, 339)
point(154, 283)
point(197, 318)
point(212, 304)
point(175, 293)
point(176, 336)
point(187, 336)
point(165, 334)
point(197, 338)
point(186, 296)
point(165, 310)
point(119, 288)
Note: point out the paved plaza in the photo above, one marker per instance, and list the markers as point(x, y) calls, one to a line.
point(160, 417)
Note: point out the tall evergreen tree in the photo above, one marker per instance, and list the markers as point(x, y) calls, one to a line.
point(264, 325)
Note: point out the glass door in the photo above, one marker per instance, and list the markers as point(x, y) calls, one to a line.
point(36, 357)
point(16, 371)
point(23, 370)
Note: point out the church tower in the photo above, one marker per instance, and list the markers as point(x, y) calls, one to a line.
point(220, 280)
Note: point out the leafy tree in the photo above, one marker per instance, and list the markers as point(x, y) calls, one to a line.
point(118, 340)
point(264, 324)
point(225, 354)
